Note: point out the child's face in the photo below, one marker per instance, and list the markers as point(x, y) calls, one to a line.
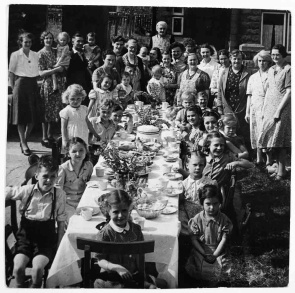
point(77, 153)
point(119, 213)
point(106, 83)
point(46, 179)
point(75, 101)
point(202, 101)
point(105, 114)
point(210, 123)
point(91, 41)
point(187, 103)
point(211, 206)
point(230, 130)
point(189, 49)
point(62, 40)
point(153, 55)
point(109, 61)
point(192, 118)
point(166, 60)
point(157, 75)
point(196, 166)
point(217, 146)
point(117, 116)
point(143, 52)
point(125, 80)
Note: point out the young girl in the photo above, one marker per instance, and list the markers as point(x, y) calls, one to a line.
point(124, 90)
point(202, 101)
point(63, 55)
point(155, 87)
point(74, 173)
point(187, 100)
point(104, 91)
point(92, 51)
point(103, 125)
point(208, 124)
point(119, 271)
point(135, 77)
point(193, 116)
point(210, 231)
point(74, 120)
point(235, 143)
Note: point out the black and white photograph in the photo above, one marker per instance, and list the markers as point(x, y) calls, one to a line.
point(147, 147)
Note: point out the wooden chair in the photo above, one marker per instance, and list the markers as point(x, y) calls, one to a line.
point(88, 245)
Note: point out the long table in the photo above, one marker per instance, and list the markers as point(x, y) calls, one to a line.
point(164, 229)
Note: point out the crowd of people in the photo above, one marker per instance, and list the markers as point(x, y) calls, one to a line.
point(221, 108)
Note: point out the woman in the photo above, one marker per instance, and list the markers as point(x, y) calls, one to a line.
point(51, 99)
point(207, 64)
point(162, 40)
point(256, 90)
point(169, 77)
point(232, 96)
point(193, 79)
point(109, 59)
point(276, 127)
point(130, 59)
point(23, 73)
point(223, 58)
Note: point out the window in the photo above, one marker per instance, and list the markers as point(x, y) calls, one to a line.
point(177, 26)
point(276, 29)
point(178, 11)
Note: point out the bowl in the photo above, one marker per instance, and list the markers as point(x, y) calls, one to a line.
point(150, 208)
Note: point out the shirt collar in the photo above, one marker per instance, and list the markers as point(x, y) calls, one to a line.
point(119, 229)
point(49, 192)
point(216, 219)
point(210, 159)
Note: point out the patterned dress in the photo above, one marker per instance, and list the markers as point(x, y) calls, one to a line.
point(137, 74)
point(51, 101)
point(169, 76)
point(276, 134)
point(257, 86)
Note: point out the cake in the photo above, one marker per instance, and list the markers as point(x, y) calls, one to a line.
point(148, 132)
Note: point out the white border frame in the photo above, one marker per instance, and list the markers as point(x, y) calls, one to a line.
point(284, 32)
point(289, 30)
point(182, 21)
point(178, 13)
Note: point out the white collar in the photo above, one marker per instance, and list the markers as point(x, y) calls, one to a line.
point(119, 229)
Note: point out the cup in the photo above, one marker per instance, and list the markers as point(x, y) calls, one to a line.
point(164, 182)
point(99, 171)
point(164, 105)
point(86, 213)
point(103, 184)
point(140, 221)
point(135, 118)
point(166, 168)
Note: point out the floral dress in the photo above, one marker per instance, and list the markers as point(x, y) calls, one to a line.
point(276, 134)
point(137, 74)
point(209, 232)
point(169, 77)
point(52, 102)
point(257, 86)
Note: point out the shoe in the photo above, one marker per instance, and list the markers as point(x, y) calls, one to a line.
point(45, 143)
point(51, 139)
point(27, 152)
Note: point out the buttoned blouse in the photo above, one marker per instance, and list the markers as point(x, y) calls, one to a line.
point(208, 67)
point(191, 187)
point(40, 206)
point(72, 183)
point(24, 66)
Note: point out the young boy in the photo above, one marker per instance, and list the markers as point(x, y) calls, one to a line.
point(202, 101)
point(124, 89)
point(41, 205)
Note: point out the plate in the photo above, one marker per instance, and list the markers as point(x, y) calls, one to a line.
point(170, 160)
point(172, 192)
point(96, 210)
point(173, 176)
point(169, 210)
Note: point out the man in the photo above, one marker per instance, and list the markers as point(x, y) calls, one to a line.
point(78, 68)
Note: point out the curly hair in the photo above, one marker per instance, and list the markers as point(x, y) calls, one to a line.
point(209, 113)
point(102, 77)
point(229, 119)
point(189, 42)
point(45, 34)
point(65, 34)
point(265, 56)
point(48, 162)
point(23, 35)
point(207, 46)
point(75, 90)
point(281, 48)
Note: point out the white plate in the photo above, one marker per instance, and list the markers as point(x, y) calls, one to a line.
point(95, 212)
point(169, 210)
point(174, 192)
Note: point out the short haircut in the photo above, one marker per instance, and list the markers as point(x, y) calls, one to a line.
point(207, 46)
point(102, 77)
point(23, 35)
point(77, 35)
point(265, 56)
point(187, 95)
point(65, 34)
point(228, 119)
point(209, 191)
point(202, 94)
point(196, 153)
point(91, 34)
point(175, 45)
point(159, 55)
point(48, 162)
point(223, 52)
point(107, 104)
point(75, 90)
point(126, 74)
point(281, 48)
point(236, 53)
point(108, 52)
point(156, 68)
point(189, 42)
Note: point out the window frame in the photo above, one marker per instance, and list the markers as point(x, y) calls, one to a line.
point(182, 22)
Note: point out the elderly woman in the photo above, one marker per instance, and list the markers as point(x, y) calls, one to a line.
point(51, 99)
point(256, 90)
point(162, 40)
point(23, 73)
point(130, 60)
point(276, 127)
point(232, 97)
point(109, 59)
point(193, 79)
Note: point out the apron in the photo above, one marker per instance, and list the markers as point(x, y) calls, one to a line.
point(40, 232)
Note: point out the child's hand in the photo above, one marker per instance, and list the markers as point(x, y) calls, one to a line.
point(230, 166)
point(210, 258)
point(124, 273)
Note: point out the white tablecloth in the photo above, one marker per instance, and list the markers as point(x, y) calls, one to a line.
point(164, 230)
